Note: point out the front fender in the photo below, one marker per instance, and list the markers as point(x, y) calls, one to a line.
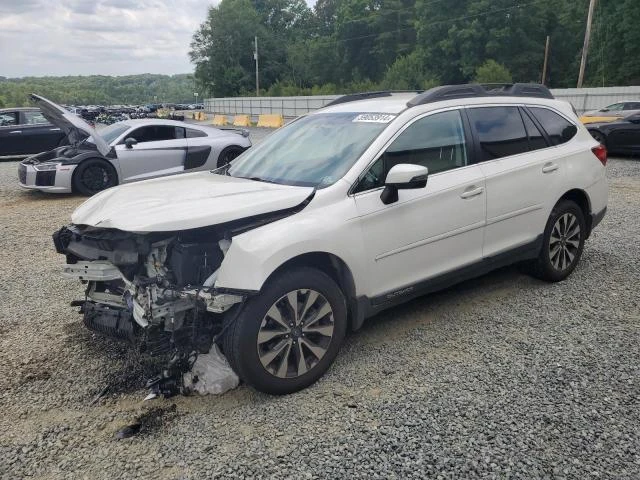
point(254, 255)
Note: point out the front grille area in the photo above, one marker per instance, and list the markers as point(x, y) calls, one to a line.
point(22, 174)
point(46, 179)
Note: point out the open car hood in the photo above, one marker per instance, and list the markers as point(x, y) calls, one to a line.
point(75, 128)
point(185, 201)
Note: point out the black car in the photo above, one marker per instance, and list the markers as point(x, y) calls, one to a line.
point(620, 136)
point(24, 131)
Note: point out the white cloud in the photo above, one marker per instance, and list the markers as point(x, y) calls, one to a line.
point(108, 37)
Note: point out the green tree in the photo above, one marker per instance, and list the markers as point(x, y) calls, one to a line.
point(493, 72)
point(407, 73)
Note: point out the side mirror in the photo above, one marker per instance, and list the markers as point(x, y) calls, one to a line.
point(130, 142)
point(403, 176)
point(604, 109)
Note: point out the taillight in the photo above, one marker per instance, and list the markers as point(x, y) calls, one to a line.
point(601, 152)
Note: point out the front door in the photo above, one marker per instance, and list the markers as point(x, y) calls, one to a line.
point(160, 150)
point(431, 230)
point(626, 137)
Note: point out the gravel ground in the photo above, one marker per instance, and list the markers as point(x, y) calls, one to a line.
point(500, 377)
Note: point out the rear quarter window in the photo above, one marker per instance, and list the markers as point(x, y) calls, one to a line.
point(193, 133)
point(559, 129)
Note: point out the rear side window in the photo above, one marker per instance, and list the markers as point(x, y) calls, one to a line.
point(193, 133)
point(34, 118)
point(500, 131)
point(559, 129)
point(536, 139)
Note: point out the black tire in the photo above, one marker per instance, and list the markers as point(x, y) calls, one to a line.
point(599, 137)
point(228, 154)
point(94, 175)
point(555, 268)
point(241, 345)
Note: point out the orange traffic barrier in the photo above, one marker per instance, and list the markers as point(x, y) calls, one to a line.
point(219, 120)
point(273, 120)
point(242, 121)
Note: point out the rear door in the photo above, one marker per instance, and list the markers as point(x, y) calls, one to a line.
point(161, 150)
point(10, 133)
point(522, 175)
point(37, 133)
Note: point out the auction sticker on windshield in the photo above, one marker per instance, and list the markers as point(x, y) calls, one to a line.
point(374, 118)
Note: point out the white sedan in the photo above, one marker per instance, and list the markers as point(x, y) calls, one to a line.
point(125, 152)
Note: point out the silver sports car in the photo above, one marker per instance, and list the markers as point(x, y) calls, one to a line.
point(125, 152)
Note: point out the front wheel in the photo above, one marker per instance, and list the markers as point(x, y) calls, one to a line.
point(285, 338)
point(563, 242)
point(93, 176)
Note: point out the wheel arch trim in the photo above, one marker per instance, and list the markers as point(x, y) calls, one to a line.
point(581, 198)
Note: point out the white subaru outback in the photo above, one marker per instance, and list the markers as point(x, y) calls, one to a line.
point(369, 202)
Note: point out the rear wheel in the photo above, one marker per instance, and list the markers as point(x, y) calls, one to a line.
point(285, 339)
point(227, 155)
point(93, 176)
point(563, 242)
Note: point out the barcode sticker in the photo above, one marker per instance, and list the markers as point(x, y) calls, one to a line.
point(374, 118)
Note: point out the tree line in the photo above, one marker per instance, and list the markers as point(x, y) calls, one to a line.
point(100, 89)
point(356, 45)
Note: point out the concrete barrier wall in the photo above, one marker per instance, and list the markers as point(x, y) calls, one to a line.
point(254, 106)
point(583, 99)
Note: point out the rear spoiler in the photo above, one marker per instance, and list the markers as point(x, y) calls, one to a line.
point(240, 131)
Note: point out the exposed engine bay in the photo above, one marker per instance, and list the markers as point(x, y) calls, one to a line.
point(154, 290)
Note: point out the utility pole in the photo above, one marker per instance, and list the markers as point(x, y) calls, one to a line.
point(585, 46)
point(544, 66)
point(255, 57)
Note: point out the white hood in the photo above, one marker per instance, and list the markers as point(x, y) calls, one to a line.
point(185, 201)
point(75, 128)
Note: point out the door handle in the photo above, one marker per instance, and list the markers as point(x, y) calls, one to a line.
point(549, 167)
point(472, 192)
point(54, 129)
point(15, 132)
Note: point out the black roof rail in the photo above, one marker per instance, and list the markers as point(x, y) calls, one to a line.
point(470, 90)
point(352, 97)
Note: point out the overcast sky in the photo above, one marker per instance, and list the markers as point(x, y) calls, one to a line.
point(108, 37)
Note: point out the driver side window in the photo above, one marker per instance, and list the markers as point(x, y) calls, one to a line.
point(156, 133)
point(435, 141)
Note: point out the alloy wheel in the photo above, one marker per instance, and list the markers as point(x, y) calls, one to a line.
point(96, 178)
point(564, 242)
point(295, 333)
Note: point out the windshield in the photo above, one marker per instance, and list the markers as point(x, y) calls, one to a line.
point(315, 151)
point(110, 133)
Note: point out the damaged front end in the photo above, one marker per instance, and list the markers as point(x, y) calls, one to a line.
point(155, 290)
